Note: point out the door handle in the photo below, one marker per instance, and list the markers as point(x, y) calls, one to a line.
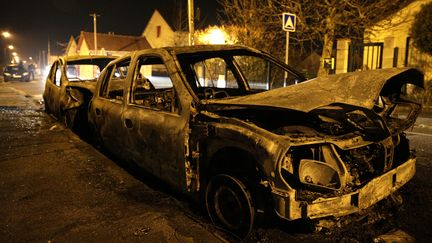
point(128, 123)
point(98, 112)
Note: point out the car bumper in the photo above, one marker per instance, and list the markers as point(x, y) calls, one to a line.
point(17, 78)
point(375, 190)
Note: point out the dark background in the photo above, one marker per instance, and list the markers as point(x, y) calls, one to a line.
point(33, 23)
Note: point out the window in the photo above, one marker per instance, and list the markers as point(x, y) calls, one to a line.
point(158, 31)
point(152, 86)
point(57, 76)
point(264, 75)
point(114, 80)
point(214, 73)
point(80, 72)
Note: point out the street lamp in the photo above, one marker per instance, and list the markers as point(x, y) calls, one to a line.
point(6, 34)
point(216, 36)
point(213, 36)
point(11, 47)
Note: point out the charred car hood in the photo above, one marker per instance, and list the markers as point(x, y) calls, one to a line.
point(334, 105)
point(360, 89)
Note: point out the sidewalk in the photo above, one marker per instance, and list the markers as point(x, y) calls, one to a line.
point(10, 97)
point(55, 187)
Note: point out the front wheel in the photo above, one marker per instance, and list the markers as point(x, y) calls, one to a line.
point(229, 204)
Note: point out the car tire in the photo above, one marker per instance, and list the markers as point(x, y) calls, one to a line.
point(229, 204)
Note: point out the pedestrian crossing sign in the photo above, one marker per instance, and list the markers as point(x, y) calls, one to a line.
point(289, 22)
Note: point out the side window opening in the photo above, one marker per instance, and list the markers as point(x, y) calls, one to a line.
point(114, 81)
point(57, 75)
point(152, 86)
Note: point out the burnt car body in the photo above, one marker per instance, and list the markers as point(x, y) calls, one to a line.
point(70, 71)
point(15, 72)
point(216, 122)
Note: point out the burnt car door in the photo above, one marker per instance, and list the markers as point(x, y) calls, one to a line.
point(156, 130)
point(106, 108)
point(53, 88)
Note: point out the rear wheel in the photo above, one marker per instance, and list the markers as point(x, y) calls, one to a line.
point(229, 204)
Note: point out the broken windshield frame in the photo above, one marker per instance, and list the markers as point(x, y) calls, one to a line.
point(223, 74)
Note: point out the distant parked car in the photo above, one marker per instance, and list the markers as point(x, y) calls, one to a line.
point(70, 71)
point(217, 123)
point(15, 72)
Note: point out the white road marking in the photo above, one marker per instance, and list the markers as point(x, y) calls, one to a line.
point(419, 133)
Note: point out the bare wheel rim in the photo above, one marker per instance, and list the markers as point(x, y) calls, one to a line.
point(228, 207)
point(229, 204)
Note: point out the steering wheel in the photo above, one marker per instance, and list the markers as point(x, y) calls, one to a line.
point(210, 93)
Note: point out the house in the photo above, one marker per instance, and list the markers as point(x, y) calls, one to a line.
point(107, 44)
point(159, 33)
point(387, 44)
point(71, 48)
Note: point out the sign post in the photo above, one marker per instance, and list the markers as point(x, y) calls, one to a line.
point(288, 25)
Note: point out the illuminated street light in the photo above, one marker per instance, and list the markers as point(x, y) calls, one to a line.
point(14, 54)
point(216, 36)
point(6, 34)
point(11, 47)
point(213, 36)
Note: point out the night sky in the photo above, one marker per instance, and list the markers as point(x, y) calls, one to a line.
point(32, 23)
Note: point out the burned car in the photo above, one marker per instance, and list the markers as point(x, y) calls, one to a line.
point(73, 71)
point(247, 135)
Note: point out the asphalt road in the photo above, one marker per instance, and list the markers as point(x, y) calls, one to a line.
point(55, 187)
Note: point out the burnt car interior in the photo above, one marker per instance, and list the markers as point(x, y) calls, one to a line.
point(114, 79)
point(224, 74)
point(152, 86)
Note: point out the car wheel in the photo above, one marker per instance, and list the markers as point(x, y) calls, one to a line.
point(229, 204)
point(69, 118)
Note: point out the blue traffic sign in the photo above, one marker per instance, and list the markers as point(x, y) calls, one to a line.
point(289, 22)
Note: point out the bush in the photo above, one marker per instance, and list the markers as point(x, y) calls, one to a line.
point(421, 29)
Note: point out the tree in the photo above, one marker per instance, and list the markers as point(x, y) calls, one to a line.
point(318, 22)
point(421, 29)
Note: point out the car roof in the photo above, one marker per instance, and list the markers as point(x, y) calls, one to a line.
point(178, 50)
point(206, 48)
point(87, 57)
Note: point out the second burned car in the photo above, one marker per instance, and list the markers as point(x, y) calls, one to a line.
point(217, 122)
point(65, 73)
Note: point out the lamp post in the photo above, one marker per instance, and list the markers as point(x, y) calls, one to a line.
point(94, 15)
point(191, 22)
point(5, 35)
